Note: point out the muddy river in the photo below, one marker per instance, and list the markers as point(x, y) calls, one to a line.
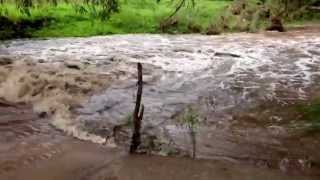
point(230, 101)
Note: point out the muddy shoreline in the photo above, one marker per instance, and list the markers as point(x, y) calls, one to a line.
point(32, 149)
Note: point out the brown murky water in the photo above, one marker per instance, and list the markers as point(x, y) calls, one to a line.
point(31, 149)
point(241, 87)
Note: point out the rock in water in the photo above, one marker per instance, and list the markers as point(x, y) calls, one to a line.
point(5, 61)
point(73, 65)
point(276, 25)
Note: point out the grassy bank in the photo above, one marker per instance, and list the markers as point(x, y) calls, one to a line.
point(140, 16)
point(135, 16)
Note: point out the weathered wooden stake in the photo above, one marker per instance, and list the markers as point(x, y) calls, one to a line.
point(137, 114)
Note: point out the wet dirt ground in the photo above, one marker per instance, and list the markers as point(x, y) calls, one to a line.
point(242, 89)
point(32, 149)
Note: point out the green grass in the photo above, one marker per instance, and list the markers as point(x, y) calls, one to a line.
point(135, 16)
point(310, 116)
point(141, 16)
point(307, 19)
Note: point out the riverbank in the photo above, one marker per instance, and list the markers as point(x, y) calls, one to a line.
point(141, 16)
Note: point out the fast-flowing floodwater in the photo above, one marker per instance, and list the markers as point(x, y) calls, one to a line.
point(229, 97)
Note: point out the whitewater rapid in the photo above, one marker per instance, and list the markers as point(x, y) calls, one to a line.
point(220, 77)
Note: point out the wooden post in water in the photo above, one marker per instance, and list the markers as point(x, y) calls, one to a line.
point(137, 114)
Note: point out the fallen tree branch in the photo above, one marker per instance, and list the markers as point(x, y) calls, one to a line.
point(137, 114)
point(179, 6)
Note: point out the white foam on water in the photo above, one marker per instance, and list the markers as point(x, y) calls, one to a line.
point(261, 59)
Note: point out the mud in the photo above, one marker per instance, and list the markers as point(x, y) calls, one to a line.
point(29, 142)
point(242, 89)
point(32, 149)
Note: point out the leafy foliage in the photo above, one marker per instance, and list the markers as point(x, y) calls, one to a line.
point(95, 8)
point(253, 15)
point(88, 17)
point(24, 6)
point(190, 118)
point(312, 115)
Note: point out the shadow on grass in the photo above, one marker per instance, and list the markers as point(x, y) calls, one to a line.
point(23, 28)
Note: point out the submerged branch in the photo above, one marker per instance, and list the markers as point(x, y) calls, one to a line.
point(138, 114)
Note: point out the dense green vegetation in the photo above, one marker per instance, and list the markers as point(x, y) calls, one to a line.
point(134, 16)
point(30, 18)
point(253, 15)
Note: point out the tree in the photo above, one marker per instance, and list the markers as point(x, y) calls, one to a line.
point(99, 8)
